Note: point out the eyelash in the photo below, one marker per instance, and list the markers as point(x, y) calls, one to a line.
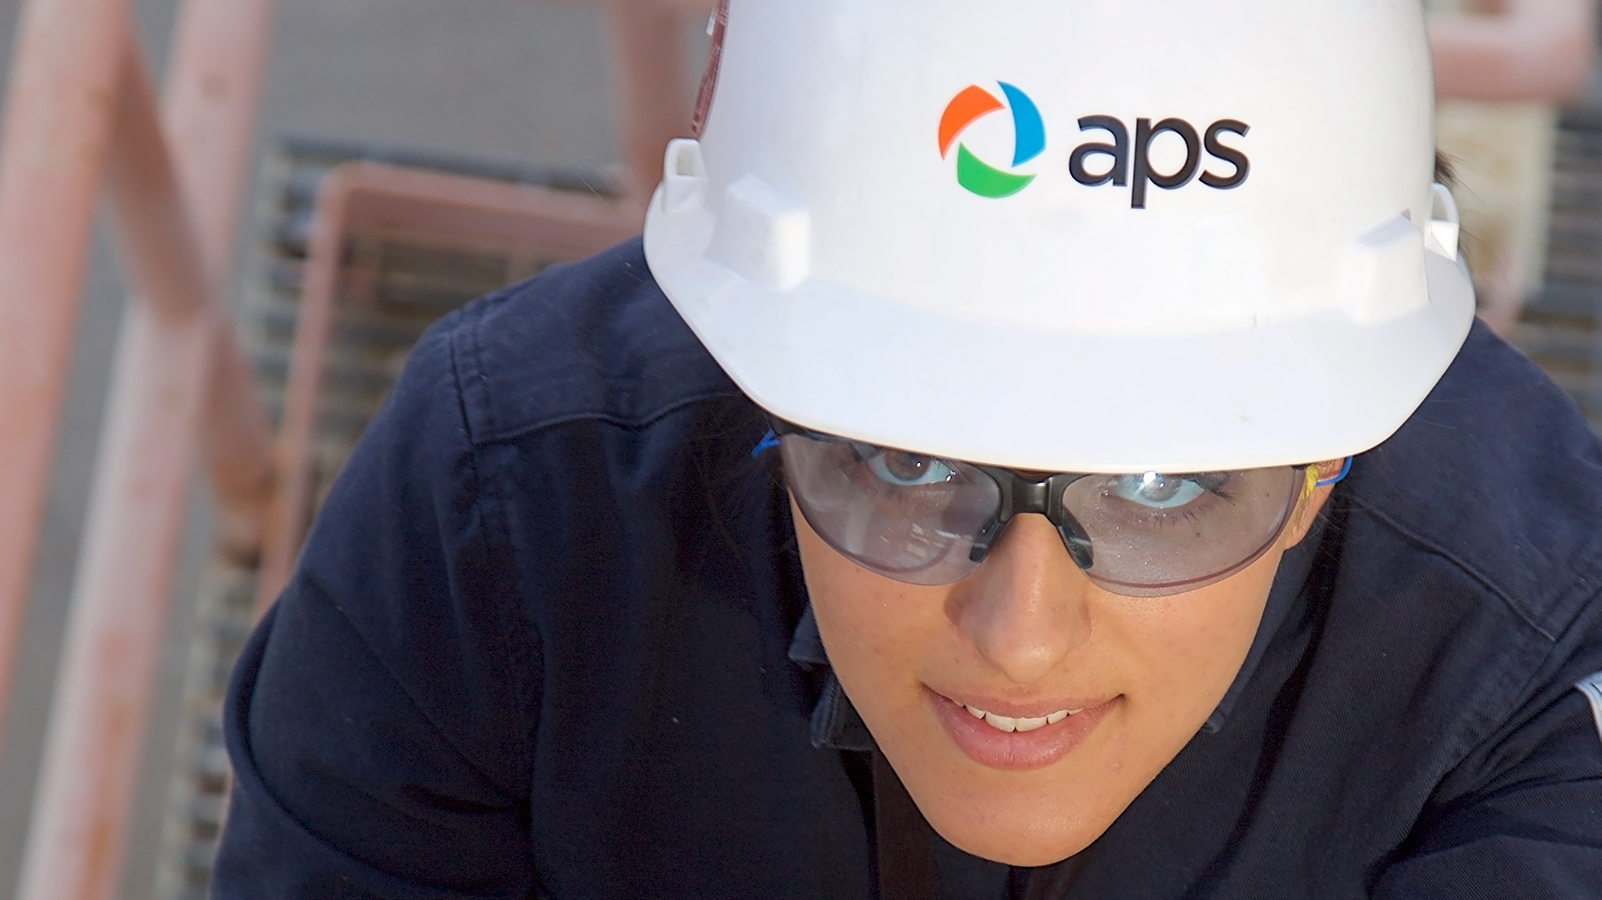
point(1169, 518)
point(1212, 484)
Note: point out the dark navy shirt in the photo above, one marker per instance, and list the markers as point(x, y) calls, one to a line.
point(548, 639)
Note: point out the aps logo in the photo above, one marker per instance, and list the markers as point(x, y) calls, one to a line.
point(1029, 139)
point(1125, 161)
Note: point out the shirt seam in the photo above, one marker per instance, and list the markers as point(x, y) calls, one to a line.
point(1580, 581)
point(484, 499)
point(492, 432)
point(312, 583)
point(629, 423)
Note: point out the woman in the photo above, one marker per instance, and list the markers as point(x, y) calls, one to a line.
point(758, 559)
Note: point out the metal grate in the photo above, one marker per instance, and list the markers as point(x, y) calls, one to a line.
point(391, 291)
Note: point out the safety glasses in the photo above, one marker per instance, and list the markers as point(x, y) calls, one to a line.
point(924, 520)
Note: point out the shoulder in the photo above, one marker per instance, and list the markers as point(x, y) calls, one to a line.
point(591, 436)
point(1498, 474)
point(1449, 613)
point(1464, 603)
point(595, 339)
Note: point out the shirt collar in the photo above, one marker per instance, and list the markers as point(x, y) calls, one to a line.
point(835, 723)
point(1285, 595)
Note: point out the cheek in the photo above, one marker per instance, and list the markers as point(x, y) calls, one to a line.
point(1192, 645)
point(858, 618)
point(876, 630)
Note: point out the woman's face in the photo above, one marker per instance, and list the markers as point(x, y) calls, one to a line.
point(1028, 636)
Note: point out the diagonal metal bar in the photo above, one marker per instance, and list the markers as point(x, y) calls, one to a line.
point(215, 70)
point(58, 121)
point(161, 384)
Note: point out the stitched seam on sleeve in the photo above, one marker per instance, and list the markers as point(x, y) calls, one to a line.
point(1583, 581)
point(309, 581)
point(489, 504)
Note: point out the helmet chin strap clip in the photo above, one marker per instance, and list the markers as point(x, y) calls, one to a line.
point(1444, 228)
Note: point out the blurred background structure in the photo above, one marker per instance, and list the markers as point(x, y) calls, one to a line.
point(407, 155)
point(1521, 120)
point(471, 143)
point(1502, 70)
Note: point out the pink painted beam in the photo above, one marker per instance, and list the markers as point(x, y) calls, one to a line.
point(155, 413)
point(649, 82)
point(58, 120)
point(1541, 50)
point(214, 76)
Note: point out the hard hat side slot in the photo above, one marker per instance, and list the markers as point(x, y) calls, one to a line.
point(1444, 228)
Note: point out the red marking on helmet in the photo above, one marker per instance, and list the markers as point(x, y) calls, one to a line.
point(709, 76)
point(963, 109)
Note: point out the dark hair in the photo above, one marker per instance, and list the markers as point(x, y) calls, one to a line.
point(1443, 170)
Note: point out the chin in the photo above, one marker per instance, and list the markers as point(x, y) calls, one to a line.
point(1047, 843)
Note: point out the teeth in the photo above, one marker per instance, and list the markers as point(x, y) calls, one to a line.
point(1001, 723)
point(1010, 723)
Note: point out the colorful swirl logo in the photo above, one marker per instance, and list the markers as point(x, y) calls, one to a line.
point(1029, 141)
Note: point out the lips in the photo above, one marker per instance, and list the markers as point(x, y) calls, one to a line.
point(1032, 740)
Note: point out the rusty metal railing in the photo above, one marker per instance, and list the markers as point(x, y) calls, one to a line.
point(82, 114)
point(83, 119)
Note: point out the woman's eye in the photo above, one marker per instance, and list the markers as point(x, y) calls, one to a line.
point(908, 469)
point(1156, 490)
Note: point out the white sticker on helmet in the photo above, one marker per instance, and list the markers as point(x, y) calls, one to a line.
point(1592, 689)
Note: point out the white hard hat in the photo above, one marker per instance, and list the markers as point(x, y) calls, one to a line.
point(1099, 236)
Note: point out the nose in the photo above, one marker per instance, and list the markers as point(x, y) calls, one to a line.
point(1026, 607)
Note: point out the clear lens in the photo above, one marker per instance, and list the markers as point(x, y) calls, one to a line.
point(1162, 534)
point(910, 517)
point(915, 518)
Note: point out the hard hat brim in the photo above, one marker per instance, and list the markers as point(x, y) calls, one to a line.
point(1320, 386)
